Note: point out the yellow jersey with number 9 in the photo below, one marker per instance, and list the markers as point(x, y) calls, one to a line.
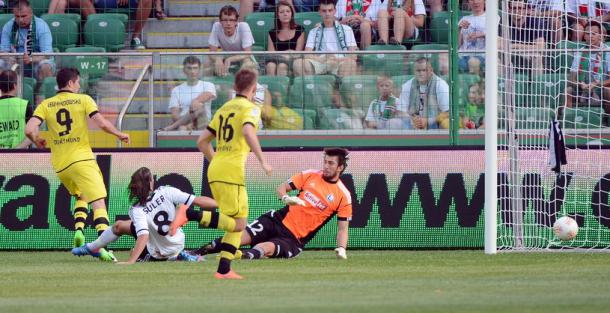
point(66, 115)
point(229, 162)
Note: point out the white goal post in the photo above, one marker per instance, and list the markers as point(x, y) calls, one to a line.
point(544, 66)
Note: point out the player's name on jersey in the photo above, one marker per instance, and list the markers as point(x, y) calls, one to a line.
point(151, 205)
point(66, 140)
point(225, 148)
point(9, 125)
point(63, 103)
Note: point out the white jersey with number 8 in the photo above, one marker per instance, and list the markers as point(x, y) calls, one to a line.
point(155, 217)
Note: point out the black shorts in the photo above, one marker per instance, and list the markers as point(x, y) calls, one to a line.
point(269, 228)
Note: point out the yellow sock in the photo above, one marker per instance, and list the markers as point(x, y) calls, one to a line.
point(229, 244)
point(100, 220)
point(80, 214)
point(218, 221)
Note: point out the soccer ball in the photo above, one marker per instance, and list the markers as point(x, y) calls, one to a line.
point(565, 228)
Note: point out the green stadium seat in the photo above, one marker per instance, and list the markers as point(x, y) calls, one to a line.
point(521, 90)
point(340, 119)
point(549, 89)
point(224, 88)
point(358, 91)
point(533, 118)
point(39, 7)
point(385, 47)
point(308, 20)
point(91, 66)
point(108, 33)
point(72, 16)
point(564, 59)
point(399, 80)
point(310, 92)
point(49, 87)
point(276, 84)
point(64, 30)
point(439, 25)
point(380, 63)
point(120, 16)
point(4, 18)
point(583, 117)
point(309, 118)
point(260, 24)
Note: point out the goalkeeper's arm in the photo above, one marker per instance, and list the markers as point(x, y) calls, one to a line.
point(282, 193)
point(342, 235)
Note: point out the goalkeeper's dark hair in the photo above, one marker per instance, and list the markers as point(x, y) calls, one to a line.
point(340, 153)
point(139, 186)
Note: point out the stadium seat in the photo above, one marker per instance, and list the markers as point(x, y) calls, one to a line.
point(72, 16)
point(380, 63)
point(400, 80)
point(63, 29)
point(521, 89)
point(309, 118)
point(39, 7)
point(385, 47)
point(358, 91)
point(583, 117)
point(341, 119)
point(533, 118)
point(549, 89)
point(224, 88)
point(276, 84)
point(5, 18)
point(308, 20)
point(260, 24)
point(49, 87)
point(91, 66)
point(434, 58)
point(106, 32)
point(310, 92)
point(563, 60)
point(439, 26)
point(120, 16)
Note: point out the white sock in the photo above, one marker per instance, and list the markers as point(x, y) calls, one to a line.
point(103, 240)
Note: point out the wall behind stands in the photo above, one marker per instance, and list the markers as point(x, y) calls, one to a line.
point(426, 198)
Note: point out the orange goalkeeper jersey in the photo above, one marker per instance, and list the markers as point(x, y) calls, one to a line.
point(323, 200)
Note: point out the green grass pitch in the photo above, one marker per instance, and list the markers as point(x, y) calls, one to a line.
point(369, 281)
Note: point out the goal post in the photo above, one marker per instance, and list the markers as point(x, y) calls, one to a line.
point(543, 66)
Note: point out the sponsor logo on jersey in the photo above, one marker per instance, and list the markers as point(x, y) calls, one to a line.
point(314, 201)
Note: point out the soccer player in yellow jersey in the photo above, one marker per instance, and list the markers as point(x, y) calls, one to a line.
point(234, 127)
point(66, 117)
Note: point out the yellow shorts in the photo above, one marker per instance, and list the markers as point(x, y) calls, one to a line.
point(84, 180)
point(232, 199)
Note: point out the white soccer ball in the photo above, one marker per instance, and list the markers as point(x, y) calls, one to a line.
point(565, 228)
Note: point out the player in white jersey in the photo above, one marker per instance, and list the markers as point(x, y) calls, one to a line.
point(150, 217)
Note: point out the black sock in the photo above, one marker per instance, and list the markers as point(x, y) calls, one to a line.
point(224, 266)
point(212, 247)
point(251, 254)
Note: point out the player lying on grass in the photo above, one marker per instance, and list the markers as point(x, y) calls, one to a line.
point(151, 215)
point(284, 233)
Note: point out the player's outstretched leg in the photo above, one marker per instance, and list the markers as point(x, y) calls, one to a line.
point(212, 247)
point(205, 218)
point(101, 253)
point(187, 257)
point(179, 220)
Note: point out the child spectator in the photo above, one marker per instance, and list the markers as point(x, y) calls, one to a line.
point(474, 110)
point(382, 112)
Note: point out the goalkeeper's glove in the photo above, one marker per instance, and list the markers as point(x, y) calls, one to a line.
point(341, 253)
point(292, 200)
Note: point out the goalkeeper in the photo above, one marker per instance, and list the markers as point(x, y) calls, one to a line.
point(284, 233)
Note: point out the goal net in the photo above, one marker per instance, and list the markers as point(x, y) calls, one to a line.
point(552, 64)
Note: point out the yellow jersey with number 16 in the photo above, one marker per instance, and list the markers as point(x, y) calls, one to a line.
point(229, 162)
point(66, 115)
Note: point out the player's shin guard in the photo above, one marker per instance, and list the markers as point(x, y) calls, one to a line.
point(80, 214)
point(218, 221)
point(100, 220)
point(228, 247)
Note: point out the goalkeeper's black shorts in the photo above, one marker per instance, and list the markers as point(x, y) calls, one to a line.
point(269, 228)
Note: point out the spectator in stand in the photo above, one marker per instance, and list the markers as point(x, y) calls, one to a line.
point(590, 72)
point(576, 32)
point(191, 101)
point(19, 32)
point(229, 35)
point(425, 98)
point(584, 10)
point(405, 16)
point(84, 6)
point(527, 33)
point(472, 37)
point(382, 113)
point(474, 110)
point(355, 14)
point(551, 12)
point(331, 36)
point(143, 9)
point(286, 36)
